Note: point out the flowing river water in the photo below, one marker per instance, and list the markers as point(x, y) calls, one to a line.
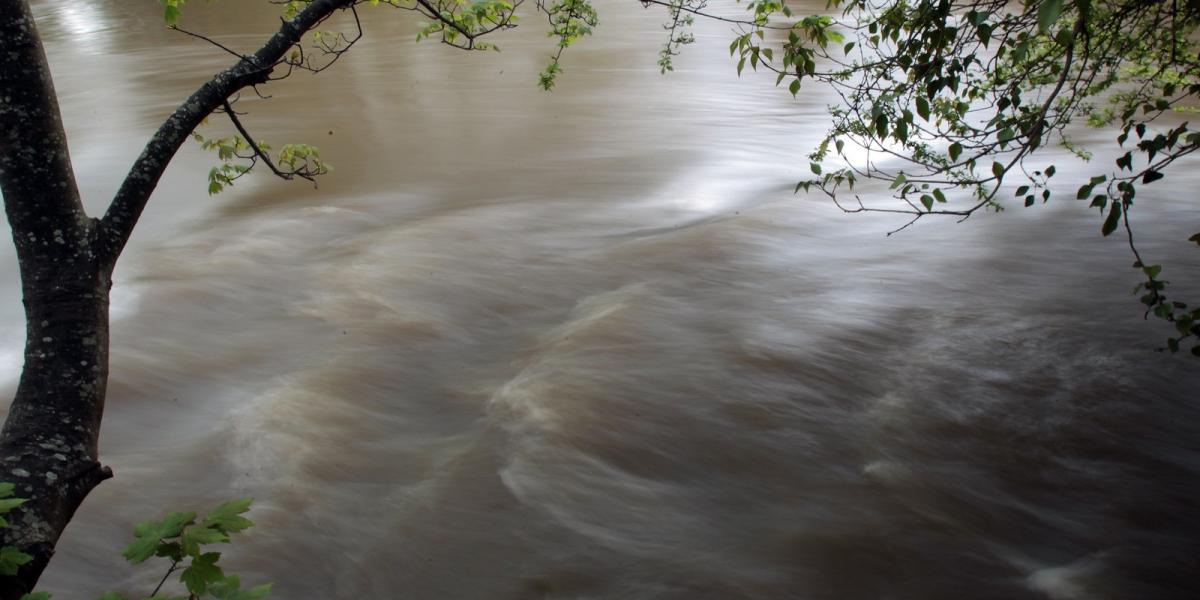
point(588, 344)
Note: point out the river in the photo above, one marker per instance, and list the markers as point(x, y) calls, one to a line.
point(588, 344)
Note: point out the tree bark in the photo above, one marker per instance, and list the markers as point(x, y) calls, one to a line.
point(48, 442)
point(48, 445)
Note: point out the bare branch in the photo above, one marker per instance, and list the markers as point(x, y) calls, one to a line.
point(205, 38)
point(134, 193)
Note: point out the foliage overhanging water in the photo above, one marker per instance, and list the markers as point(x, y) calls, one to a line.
point(588, 344)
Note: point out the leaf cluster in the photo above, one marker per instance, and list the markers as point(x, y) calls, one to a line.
point(11, 558)
point(570, 21)
point(948, 100)
point(180, 537)
point(239, 155)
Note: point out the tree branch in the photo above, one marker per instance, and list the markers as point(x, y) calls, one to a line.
point(258, 151)
point(36, 178)
point(118, 222)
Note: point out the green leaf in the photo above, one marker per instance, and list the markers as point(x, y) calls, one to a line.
point(1151, 176)
point(11, 559)
point(8, 504)
point(1125, 161)
point(923, 107)
point(1152, 271)
point(1114, 217)
point(227, 516)
point(927, 201)
point(1195, 238)
point(6, 489)
point(171, 14)
point(229, 589)
point(202, 571)
point(38, 596)
point(194, 537)
point(794, 87)
point(148, 535)
point(1048, 13)
point(998, 170)
point(955, 150)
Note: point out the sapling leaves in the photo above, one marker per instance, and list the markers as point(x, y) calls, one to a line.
point(229, 588)
point(193, 537)
point(150, 535)
point(202, 571)
point(227, 517)
point(11, 560)
point(171, 11)
point(181, 536)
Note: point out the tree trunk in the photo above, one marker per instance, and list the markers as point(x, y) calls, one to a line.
point(48, 443)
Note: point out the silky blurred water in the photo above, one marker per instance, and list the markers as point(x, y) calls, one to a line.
point(588, 344)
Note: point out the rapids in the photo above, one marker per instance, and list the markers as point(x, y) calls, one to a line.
point(588, 344)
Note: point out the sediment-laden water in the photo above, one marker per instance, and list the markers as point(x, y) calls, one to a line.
point(587, 344)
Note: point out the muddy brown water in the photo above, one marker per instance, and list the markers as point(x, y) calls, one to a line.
point(588, 344)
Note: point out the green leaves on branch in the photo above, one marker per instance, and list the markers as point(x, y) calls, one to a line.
point(1048, 12)
point(228, 150)
point(570, 21)
point(678, 36)
point(460, 23)
point(149, 536)
point(1185, 319)
point(171, 11)
point(1085, 190)
point(11, 558)
point(238, 156)
point(180, 538)
point(291, 8)
point(944, 88)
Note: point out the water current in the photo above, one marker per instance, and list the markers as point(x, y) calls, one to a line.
point(588, 344)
